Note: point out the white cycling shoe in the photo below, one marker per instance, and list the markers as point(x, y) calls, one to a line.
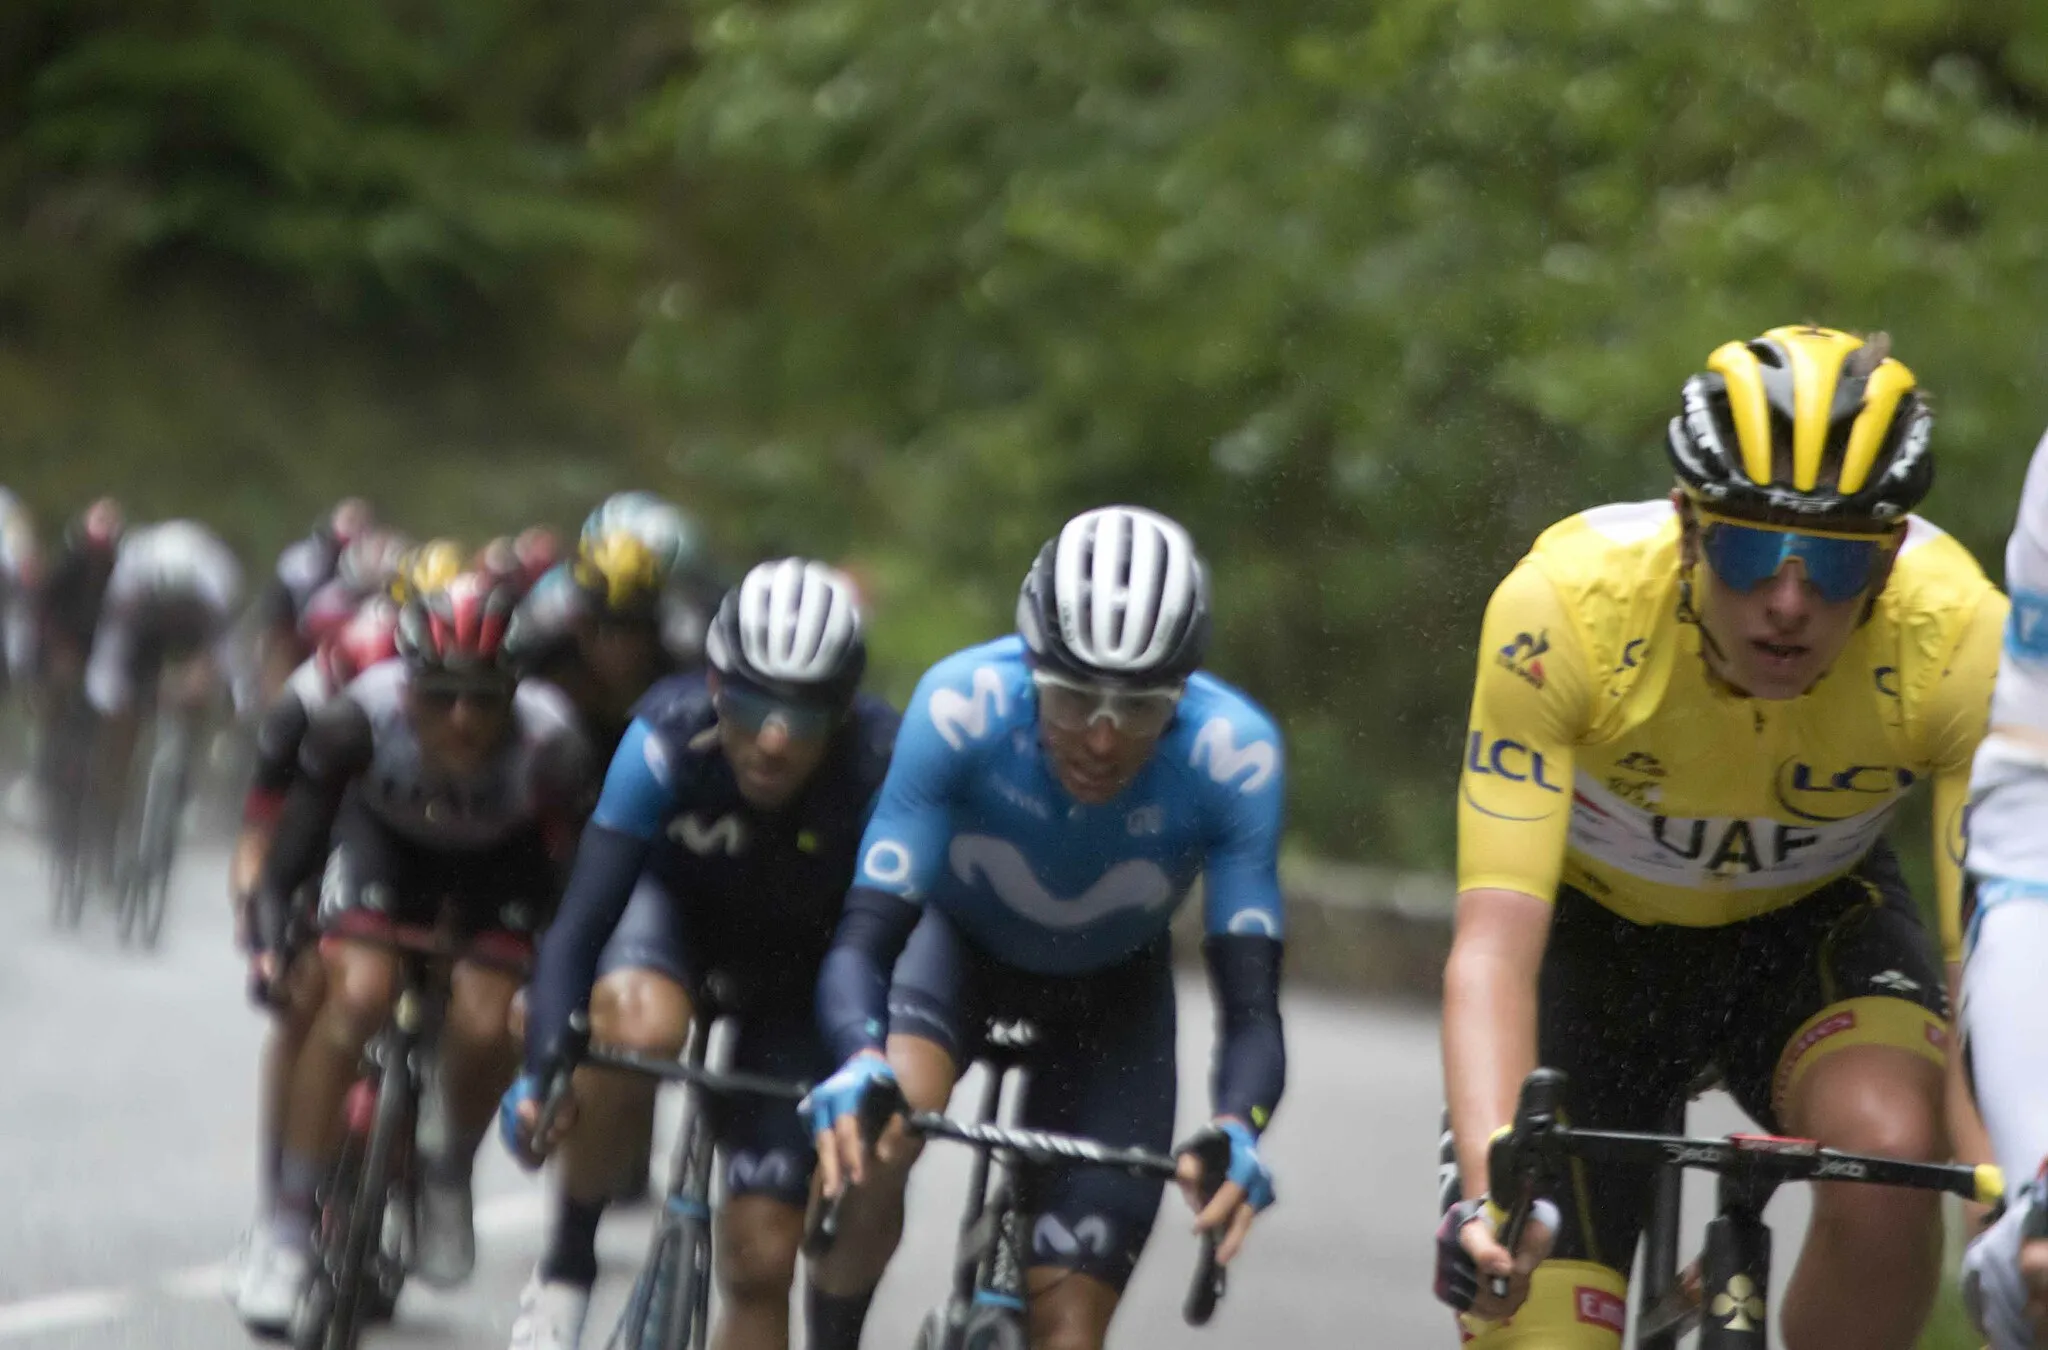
point(551, 1315)
point(274, 1279)
point(447, 1253)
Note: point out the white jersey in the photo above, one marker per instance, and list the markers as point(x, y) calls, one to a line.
point(174, 585)
point(2007, 944)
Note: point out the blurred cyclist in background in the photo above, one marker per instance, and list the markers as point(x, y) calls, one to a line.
point(68, 607)
point(617, 616)
point(370, 636)
point(367, 566)
point(163, 637)
point(447, 787)
point(302, 569)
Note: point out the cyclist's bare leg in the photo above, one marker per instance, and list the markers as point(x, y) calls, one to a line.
point(871, 1219)
point(360, 985)
point(758, 1237)
point(304, 985)
point(479, 1058)
point(1866, 1277)
point(1069, 1310)
point(639, 1010)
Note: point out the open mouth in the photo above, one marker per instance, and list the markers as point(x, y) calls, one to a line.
point(1779, 653)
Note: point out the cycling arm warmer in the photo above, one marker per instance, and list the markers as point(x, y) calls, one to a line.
point(853, 981)
point(1251, 1055)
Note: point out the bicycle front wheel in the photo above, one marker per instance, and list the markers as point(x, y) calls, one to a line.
point(392, 1123)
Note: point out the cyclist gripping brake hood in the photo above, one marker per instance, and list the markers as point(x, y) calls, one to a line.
point(1692, 720)
point(1052, 799)
point(724, 842)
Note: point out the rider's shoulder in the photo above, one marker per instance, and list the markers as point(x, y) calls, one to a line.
point(677, 705)
point(544, 710)
point(1934, 573)
point(1000, 662)
point(967, 698)
point(1223, 740)
point(1626, 544)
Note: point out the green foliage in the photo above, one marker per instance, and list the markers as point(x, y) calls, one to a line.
point(1367, 296)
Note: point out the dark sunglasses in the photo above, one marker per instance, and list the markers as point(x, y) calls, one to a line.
point(751, 710)
point(441, 695)
point(1840, 566)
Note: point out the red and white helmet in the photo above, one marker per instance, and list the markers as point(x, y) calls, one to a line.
point(369, 636)
point(460, 627)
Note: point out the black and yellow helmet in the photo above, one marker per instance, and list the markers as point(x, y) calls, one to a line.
point(424, 567)
point(619, 572)
point(1807, 424)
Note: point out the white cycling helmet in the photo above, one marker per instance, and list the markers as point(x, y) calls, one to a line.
point(792, 628)
point(1119, 597)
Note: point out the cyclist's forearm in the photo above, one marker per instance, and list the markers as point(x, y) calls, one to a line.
point(853, 980)
point(298, 847)
point(1251, 1050)
point(1489, 1033)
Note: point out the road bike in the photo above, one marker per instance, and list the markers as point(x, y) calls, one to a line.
point(986, 1307)
point(1530, 1160)
point(670, 1306)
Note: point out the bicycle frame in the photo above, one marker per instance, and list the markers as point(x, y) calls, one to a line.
point(671, 1301)
point(1529, 1161)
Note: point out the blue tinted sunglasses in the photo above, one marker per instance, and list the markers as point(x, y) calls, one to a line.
point(1840, 566)
point(750, 710)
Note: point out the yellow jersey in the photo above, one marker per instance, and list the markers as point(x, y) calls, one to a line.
point(1602, 755)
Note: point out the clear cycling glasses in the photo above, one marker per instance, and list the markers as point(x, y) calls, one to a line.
point(1840, 566)
point(1067, 705)
point(750, 710)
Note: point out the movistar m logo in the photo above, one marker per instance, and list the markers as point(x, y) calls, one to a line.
point(1217, 750)
point(725, 835)
point(961, 718)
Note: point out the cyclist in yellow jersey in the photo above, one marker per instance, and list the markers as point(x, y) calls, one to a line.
point(1692, 721)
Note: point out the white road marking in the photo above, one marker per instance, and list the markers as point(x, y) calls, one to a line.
point(60, 1312)
point(506, 1214)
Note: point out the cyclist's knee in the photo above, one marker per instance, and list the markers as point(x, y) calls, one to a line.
point(480, 1005)
point(1069, 1311)
point(361, 987)
point(641, 1010)
point(1873, 1099)
point(757, 1249)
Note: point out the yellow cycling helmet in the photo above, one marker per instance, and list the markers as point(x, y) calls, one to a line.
point(427, 567)
point(619, 572)
point(1805, 424)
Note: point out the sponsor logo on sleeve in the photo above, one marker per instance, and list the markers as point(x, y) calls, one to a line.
point(960, 718)
point(1524, 656)
point(1216, 749)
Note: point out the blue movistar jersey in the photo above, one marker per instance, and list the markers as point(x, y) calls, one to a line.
point(760, 889)
point(973, 820)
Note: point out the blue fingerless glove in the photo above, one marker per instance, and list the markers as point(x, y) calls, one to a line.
point(525, 1088)
point(842, 1093)
point(1247, 1169)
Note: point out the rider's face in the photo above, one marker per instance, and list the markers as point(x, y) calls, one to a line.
point(773, 750)
point(459, 726)
point(1095, 762)
point(620, 656)
point(1774, 641)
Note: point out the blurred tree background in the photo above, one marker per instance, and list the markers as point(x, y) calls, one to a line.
point(1367, 295)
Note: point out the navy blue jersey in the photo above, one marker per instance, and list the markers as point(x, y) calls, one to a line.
point(762, 889)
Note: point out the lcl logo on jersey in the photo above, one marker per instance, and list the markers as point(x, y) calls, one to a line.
point(961, 718)
point(727, 835)
point(1822, 795)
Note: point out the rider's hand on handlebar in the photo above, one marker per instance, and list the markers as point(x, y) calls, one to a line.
point(833, 1107)
point(1247, 1188)
point(1470, 1256)
point(519, 1118)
